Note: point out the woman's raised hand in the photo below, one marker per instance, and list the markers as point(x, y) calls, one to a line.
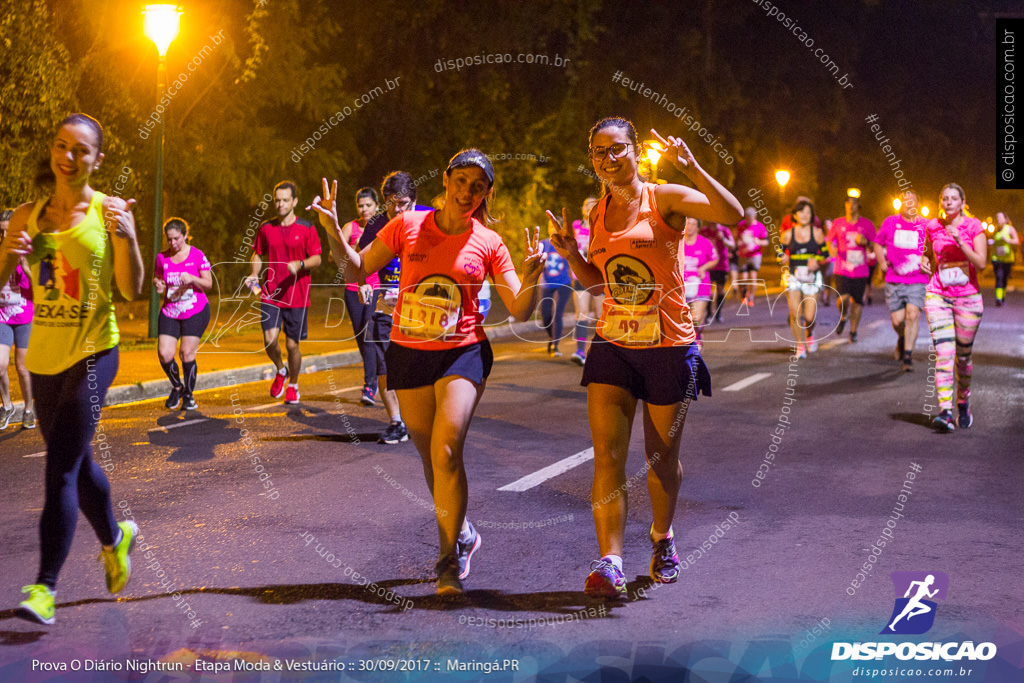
point(563, 239)
point(534, 259)
point(327, 207)
point(676, 153)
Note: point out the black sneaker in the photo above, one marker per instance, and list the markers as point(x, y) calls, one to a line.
point(853, 337)
point(448, 582)
point(173, 401)
point(394, 433)
point(964, 417)
point(841, 326)
point(944, 421)
point(465, 549)
point(907, 364)
point(189, 403)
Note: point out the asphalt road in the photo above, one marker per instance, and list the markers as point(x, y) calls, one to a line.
point(239, 572)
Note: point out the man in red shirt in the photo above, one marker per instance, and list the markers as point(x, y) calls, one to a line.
point(290, 248)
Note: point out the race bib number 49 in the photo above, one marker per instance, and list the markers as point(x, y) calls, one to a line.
point(632, 325)
point(431, 318)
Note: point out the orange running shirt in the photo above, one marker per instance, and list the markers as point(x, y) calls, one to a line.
point(437, 306)
point(640, 266)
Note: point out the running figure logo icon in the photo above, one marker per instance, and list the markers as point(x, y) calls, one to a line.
point(914, 611)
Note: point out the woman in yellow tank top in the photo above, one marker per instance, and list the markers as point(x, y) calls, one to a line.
point(644, 348)
point(77, 241)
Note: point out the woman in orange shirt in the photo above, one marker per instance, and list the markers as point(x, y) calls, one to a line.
point(644, 349)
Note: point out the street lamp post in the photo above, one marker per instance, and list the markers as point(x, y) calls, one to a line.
point(160, 24)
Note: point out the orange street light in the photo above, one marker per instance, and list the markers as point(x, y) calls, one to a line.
point(853, 192)
point(782, 177)
point(925, 211)
point(160, 24)
point(896, 204)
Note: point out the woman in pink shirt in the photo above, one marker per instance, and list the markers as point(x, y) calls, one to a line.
point(958, 247)
point(15, 328)
point(183, 277)
point(439, 357)
point(958, 250)
point(699, 257)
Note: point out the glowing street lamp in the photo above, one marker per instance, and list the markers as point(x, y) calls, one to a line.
point(853, 192)
point(896, 204)
point(925, 211)
point(782, 177)
point(160, 24)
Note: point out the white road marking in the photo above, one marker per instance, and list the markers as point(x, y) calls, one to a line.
point(35, 455)
point(180, 424)
point(266, 405)
point(834, 343)
point(549, 472)
point(342, 391)
point(744, 383)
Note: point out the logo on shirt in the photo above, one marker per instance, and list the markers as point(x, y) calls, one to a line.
point(641, 244)
point(417, 258)
point(630, 281)
point(440, 286)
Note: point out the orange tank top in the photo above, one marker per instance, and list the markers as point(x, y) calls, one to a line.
point(644, 305)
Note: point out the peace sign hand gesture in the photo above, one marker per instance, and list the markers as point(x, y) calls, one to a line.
point(327, 207)
point(677, 153)
point(534, 259)
point(564, 238)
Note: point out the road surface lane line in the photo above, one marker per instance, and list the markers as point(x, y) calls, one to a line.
point(35, 455)
point(549, 472)
point(341, 391)
point(180, 424)
point(744, 383)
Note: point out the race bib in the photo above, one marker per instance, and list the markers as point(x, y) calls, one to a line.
point(10, 297)
point(953, 275)
point(691, 287)
point(803, 274)
point(911, 265)
point(428, 317)
point(905, 239)
point(854, 258)
point(632, 325)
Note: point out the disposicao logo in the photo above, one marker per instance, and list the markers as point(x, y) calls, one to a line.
point(913, 614)
point(914, 611)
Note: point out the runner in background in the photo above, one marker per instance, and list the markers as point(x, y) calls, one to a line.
point(699, 257)
point(556, 288)
point(183, 277)
point(958, 249)
point(15, 328)
point(586, 303)
point(753, 238)
point(900, 251)
point(357, 295)
point(1004, 254)
point(644, 347)
point(827, 267)
point(399, 191)
point(849, 240)
point(290, 248)
point(804, 250)
point(721, 237)
point(439, 357)
point(78, 242)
